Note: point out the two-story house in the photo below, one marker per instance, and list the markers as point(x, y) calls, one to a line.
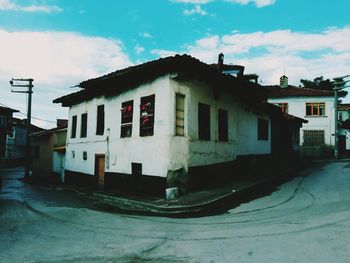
point(344, 129)
point(156, 124)
point(5, 128)
point(16, 142)
point(316, 106)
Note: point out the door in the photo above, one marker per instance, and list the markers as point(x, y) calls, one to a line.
point(100, 171)
point(136, 172)
point(342, 144)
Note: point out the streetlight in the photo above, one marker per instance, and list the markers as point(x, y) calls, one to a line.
point(26, 83)
point(338, 84)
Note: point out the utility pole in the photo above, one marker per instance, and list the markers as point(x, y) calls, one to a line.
point(26, 83)
point(338, 84)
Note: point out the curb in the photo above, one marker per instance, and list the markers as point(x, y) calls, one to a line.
point(212, 206)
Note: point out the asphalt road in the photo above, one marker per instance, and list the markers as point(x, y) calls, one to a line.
point(305, 220)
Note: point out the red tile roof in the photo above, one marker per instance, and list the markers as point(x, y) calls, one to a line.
point(291, 91)
point(186, 67)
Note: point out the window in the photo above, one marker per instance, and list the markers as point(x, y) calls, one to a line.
point(12, 134)
point(100, 124)
point(263, 129)
point(126, 117)
point(180, 115)
point(223, 125)
point(73, 133)
point(3, 121)
point(147, 116)
point(283, 106)
point(313, 137)
point(83, 128)
point(36, 152)
point(203, 121)
point(315, 109)
point(84, 155)
point(73, 154)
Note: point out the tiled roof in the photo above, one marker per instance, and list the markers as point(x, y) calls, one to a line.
point(6, 109)
point(291, 91)
point(344, 106)
point(186, 67)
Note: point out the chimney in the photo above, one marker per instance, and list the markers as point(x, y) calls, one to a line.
point(284, 81)
point(220, 61)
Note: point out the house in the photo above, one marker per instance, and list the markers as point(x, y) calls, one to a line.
point(49, 152)
point(5, 128)
point(344, 129)
point(164, 123)
point(316, 106)
point(16, 142)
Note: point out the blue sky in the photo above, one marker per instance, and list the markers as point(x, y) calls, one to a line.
point(60, 43)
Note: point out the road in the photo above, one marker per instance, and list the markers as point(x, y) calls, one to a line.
point(304, 220)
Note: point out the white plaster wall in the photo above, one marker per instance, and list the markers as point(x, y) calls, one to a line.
point(242, 128)
point(297, 107)
point(163, 151)
point(151, 151)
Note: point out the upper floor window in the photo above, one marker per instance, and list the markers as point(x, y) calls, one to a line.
point(100, 124)
point(126, 117)
point(223, 125)
point(283, 106)
point(315, 109)
point(73, 132)
point(180, 115)
point(147, 116)
point(83, 127)
point(12, 134)
point(263, 129)
point(203, 121)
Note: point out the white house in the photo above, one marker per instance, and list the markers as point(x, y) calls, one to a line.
point(316, 106)
point(152, 124)
point(344, 129)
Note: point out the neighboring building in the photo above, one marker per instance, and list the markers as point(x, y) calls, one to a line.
point(316, 106)
point(5, 128)
point(344, 129)
point(153, 125)
point(49, 152)
point(16, 142)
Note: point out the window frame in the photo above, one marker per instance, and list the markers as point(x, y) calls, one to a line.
point(263, 129)
point(204, 121)
point(313, 109)
point(127, 107)
point(284, 106)
point(313, 137)
point(73, 131)
point(83, 125)
point(223, 125)
point(179, 114)
point(147, 115)
point(100, 119)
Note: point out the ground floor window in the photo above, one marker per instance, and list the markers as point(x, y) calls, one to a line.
point(263, 129)
point(313, 137)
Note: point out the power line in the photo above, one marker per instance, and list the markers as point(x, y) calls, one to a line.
point(36, 118)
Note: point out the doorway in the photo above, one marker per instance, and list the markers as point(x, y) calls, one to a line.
point(100, 171)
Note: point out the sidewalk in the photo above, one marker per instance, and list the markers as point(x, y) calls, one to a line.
point(205, 202)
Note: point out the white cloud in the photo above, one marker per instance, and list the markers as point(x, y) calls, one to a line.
point(139, 49)
point(196, 10)
point(11, 6)
point(145, 35)
point(195, 2)
point(258, 3)
point(56, 61)
point(303, 55)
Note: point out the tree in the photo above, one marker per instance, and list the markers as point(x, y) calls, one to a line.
point(321, 84)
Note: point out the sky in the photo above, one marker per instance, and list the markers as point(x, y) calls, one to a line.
point(60, 43)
